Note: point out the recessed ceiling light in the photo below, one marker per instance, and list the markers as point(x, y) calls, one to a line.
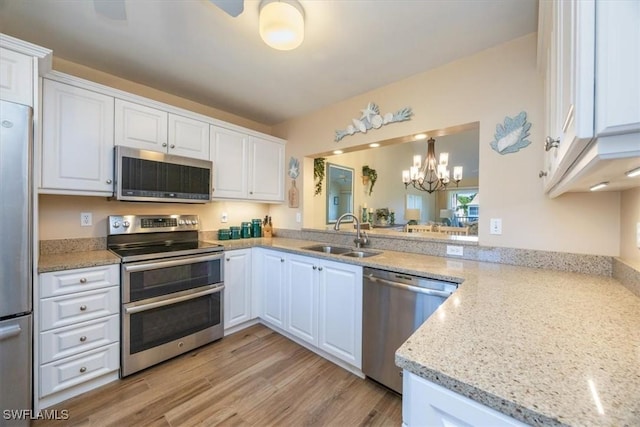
point(337, 151)
point(633, 173)
point(599, 186)
point(420, 136)
point(374, 145)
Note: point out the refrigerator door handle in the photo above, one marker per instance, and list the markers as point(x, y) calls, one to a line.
point(9, 332)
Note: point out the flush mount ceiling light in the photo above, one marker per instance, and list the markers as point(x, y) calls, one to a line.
point(282, 23)
point(599, 186)
point(633, 173)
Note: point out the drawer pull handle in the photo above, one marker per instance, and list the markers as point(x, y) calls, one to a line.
point(83, 370)
point(83, 307)
point(83, 280)
point(83, 338)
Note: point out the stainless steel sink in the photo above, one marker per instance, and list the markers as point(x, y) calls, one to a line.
point(361, 254)
point(328, 249)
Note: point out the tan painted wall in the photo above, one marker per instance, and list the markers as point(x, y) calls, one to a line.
point(485, 88)
point(629, 217)
point(110, 80)
point(60, 215)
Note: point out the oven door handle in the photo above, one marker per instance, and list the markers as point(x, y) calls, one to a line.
point(157, 304)
point(134, 267)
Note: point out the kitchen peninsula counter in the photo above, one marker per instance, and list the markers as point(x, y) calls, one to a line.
point(545, 347)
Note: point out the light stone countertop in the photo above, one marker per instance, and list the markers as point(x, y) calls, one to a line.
point(68, 261)
point(540, 346)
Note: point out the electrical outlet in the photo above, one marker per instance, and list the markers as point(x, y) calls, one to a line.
point(495, 226)
point(225, 217)
point(298, 217)
point(86, 219)
point(455, 250)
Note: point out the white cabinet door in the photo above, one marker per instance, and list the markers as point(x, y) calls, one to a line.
point(266, 170)
point(229, 157)
point(302, 298)
point(188, 137)
point(340, 311)
point(139, 126)
point(237, 287)
point(427, 404)
point(16, 77)
point(571, 80)
point(77, 139)
point(273, 287)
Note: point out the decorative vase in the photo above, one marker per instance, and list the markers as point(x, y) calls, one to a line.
point(294, 199)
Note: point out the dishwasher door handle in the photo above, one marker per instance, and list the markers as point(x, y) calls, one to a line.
point(417, 289)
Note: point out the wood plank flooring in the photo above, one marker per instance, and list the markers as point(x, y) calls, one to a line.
point(255, 377)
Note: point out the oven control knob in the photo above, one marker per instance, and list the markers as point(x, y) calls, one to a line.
point(126, 224)
point(116, 224)
point(181, 222)
point(194, 222)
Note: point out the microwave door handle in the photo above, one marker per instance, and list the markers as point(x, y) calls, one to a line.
point(152, 305)
point(135, 267)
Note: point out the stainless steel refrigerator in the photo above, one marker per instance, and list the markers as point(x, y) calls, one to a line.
point(16, 133)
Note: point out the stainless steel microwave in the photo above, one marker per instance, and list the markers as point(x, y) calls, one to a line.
point(150, 176)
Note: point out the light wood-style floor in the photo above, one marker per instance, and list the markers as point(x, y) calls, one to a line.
point(255, 377)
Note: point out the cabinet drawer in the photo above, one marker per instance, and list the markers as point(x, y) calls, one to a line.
point(71, 340)
point(82, 279)
point(65, 373)
point(74, 308)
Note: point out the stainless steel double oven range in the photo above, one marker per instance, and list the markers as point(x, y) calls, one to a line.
point(172, 287)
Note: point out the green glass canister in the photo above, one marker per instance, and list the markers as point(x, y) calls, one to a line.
point(256, 227)
point(224, 234)
point(235, 232)
point(245, 230)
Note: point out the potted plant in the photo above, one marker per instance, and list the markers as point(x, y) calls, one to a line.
point(369, 176)
point(318, 173)
point(463, 203)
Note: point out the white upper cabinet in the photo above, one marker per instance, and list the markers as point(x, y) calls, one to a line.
point(147, 128)
point(139, 126)
point(77, 140)
point(266, 170)
point(591, 55)
point(16, 77)
point(188, 137)
point(229, 157)
point(246, 167)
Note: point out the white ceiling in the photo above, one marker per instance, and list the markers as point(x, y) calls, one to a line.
point(193, 49)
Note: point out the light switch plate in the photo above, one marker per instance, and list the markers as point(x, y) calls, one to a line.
point(638, 235)
point(224, 217)
point(495, 226)
point(298, 217)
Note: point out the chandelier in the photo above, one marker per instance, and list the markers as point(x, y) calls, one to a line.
point(432, 175)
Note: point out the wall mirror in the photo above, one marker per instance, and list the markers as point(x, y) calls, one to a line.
point(339, 191)
point(389, 160)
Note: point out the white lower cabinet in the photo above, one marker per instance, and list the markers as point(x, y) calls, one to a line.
point(78, 332)
point(237, 287)
point(340, 311)
point(315, 300)
point(427, 404)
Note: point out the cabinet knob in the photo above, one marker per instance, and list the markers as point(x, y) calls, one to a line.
point(542, 173)
point(314, 267)
point(109, 181)
point(250, 192)
point(281, 259)
point(228, 259)
point(83, 370)
point(319, 268)
point(550, 143)
point(83, 338)
point(164, 144)
point(83, 280)
point(172, 146)
point(83, 307)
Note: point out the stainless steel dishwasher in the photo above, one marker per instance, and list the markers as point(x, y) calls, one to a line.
point(394, 306)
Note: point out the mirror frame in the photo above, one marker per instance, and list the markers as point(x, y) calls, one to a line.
point(329, 201)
